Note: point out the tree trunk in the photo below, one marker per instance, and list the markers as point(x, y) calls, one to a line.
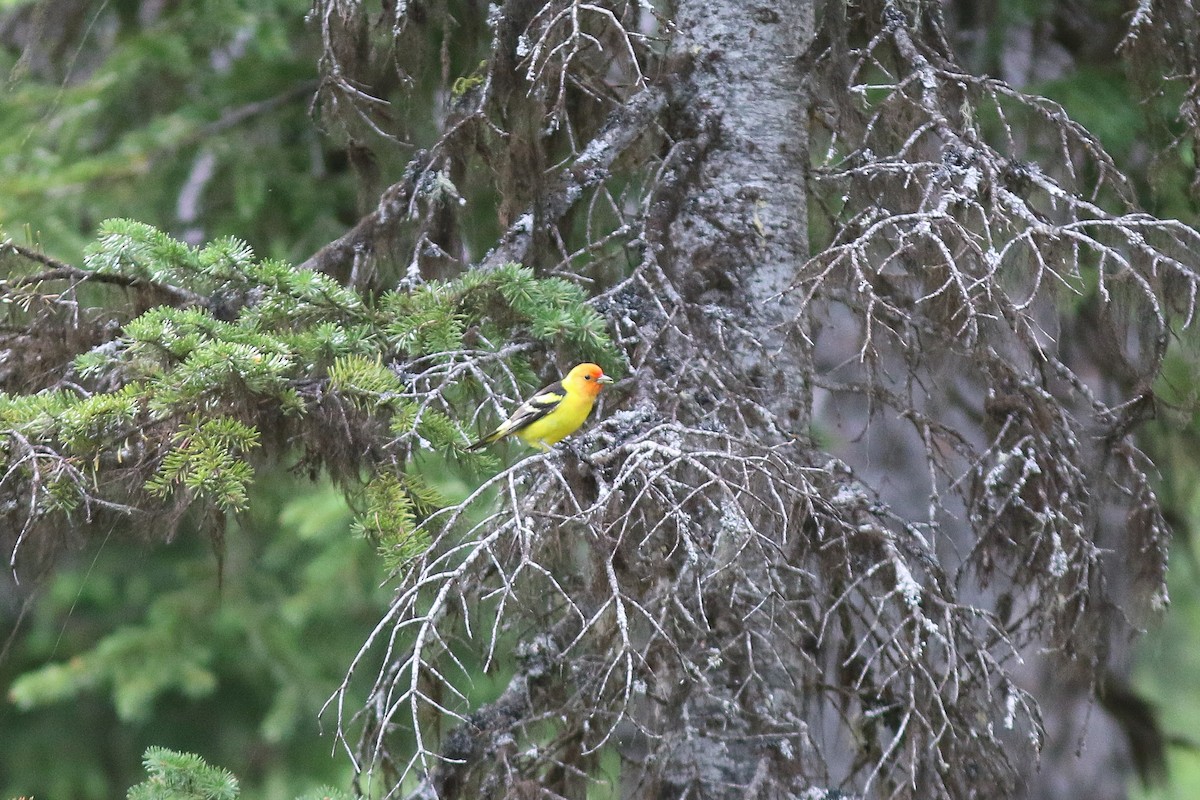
point(728, 251)
point(737, 243)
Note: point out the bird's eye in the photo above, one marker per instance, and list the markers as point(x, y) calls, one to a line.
point(587, 377)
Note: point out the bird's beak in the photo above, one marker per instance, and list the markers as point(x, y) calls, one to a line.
point(604, 379)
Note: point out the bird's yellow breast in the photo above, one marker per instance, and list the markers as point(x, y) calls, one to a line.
point(566, 417)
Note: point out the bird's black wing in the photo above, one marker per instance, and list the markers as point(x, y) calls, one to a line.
point(529, 412)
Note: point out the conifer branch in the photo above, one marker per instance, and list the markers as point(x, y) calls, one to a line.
point(62, 271)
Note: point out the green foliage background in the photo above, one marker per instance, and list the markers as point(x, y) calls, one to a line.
point(119, 123)
point(136, 644)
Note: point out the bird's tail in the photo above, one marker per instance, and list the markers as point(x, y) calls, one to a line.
point(483, 442)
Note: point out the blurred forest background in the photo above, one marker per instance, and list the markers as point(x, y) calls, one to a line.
point(199, 118)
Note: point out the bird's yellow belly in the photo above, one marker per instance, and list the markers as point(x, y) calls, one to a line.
point(569, 415)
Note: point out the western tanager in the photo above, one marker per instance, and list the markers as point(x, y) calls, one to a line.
point(554, 412)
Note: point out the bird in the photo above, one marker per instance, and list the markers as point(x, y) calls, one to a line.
point(554, 412)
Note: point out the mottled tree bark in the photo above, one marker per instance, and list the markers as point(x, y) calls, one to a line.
point(740, 238)
point(732, 247)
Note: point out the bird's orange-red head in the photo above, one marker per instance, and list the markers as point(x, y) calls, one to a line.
point(586, 378)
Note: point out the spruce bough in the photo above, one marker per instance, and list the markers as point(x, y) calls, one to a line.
point(233, 361)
